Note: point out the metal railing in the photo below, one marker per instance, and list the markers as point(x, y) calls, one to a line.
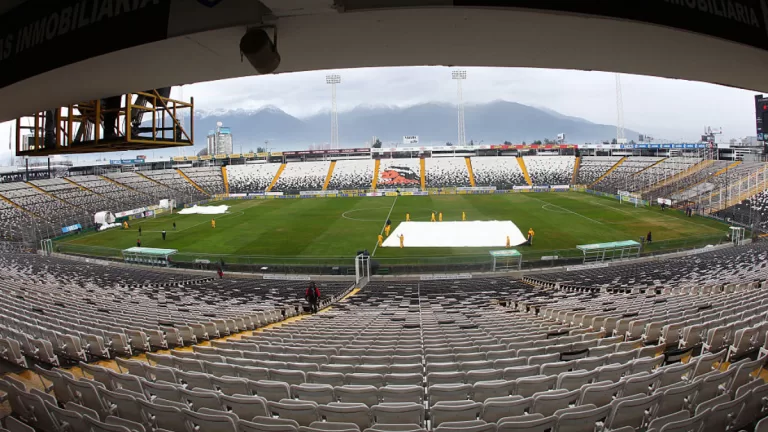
point(342, 265)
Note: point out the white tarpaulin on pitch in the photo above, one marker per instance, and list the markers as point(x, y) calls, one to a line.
point(456, 234)
point(206, 210)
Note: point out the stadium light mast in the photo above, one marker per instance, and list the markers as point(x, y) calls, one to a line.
point(459, 76)
point(332, 80)
point(620, 138)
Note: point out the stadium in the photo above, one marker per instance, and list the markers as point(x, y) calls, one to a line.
point(475, 287)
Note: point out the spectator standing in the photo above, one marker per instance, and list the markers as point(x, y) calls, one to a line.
point(312, 295)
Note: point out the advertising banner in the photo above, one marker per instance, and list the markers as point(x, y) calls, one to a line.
point(71, 228)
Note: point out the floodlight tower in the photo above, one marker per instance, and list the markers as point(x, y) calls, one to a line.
point(459, 76)
point(333, 80)
point(620, 138)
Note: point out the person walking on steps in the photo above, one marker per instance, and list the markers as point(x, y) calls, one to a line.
point(312, 295)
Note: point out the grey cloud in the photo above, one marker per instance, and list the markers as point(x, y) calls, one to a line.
point(671, 109)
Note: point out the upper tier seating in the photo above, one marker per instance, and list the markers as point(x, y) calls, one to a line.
point(77, 196)
point(446, 172)
point(208, 178)
point(622, 178)
point(302, 176)
point(550, 170)
point(592, 167)
point(503, 172)
point(671, 189)
point(664, 170)
point(59, 212)
point(124, 197)
point(399, 173)
point(730, 183)
point(251, 178)
point(13, 221)
point(182, 190)
point(352, 174)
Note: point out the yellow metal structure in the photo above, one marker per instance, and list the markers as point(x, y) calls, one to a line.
point(277, 176)
point(197, 186)
point(376, 168)
point(95, 126)
point(123, 185)
point(13, 204)
point(226, 180)
point(469, 170)
point(523, 168)
point(79, 186)
point(650, 166)
point(423, 174)
point(575, 175)
point(682, 174)
point(610, 170)
point(53, 197)
point(329, 175)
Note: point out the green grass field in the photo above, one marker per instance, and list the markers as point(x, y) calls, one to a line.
point(323, 228)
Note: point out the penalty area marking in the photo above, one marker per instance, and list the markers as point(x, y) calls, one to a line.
point(553, 210)
point(563, 208)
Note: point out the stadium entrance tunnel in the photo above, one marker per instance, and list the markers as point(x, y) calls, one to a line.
point(185, 41)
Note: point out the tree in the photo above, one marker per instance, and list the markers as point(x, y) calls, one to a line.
point(471, 142)
point(508, 143)
point(613, 141)
point(261, 149)
point(449, 144)
point(548, 141)
point(376, 144)
point(632, 142)
point(537, 142)
point(523, 143)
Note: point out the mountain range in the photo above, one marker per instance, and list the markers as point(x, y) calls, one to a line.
point(434, 123)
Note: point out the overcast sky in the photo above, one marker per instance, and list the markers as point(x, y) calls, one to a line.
point(664, 108)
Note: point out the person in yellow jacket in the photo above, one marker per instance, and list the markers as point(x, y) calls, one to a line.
point(381, 239)
point(508, 242)
point(125, 224)
point(440, 216)
point(402, 241)
point(463, 216)
point(433, 217)
point(530, 236)
point(407, 217)
point(386, 230)
point(213, 223)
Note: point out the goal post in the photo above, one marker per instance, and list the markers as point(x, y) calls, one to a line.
point(362, 268)
point(506, 260)
point(631, 198)
point(46, 247)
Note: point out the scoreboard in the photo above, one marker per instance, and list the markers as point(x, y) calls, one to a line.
point(761, 117)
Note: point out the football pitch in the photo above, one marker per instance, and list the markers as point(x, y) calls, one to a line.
point(339, 227)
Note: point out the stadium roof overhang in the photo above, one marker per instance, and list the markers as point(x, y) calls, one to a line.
point(97, 48)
